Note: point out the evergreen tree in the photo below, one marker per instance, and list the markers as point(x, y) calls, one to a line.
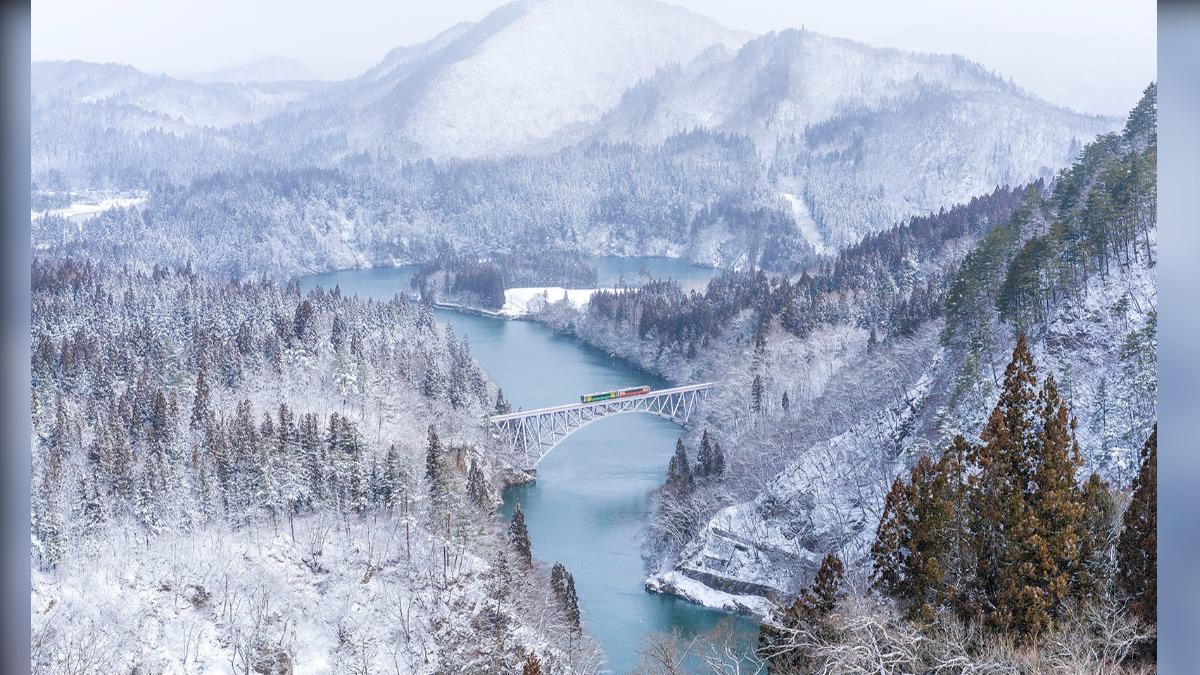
point(477, 487)
point(532, 665)
point(679, 474)
point(502, 407)
point(389, 492)
point(499, 578)
point(435, 471)
point(1057, 505)
point(49, 527)
point(312, 451)
point(1137, 550)
point(704, 456)
point(917, 550)
point(785, 403)
point(1098, 533)
point(304, 327)
point(123, 484)
point(718, 459)
point(518, 534)
point(200, 401)
point(756, 393)
point(558, 581)
point(571, 604)
point(807, 613)
point(562, 583)
point(1000, 474)
point(889, 553)
point(826, 591)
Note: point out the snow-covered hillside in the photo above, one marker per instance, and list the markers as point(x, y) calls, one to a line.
point(829, 389)
point(841, 139)
point(868, 136)
point(128, 96)
point(532, 75)
point(779, 84)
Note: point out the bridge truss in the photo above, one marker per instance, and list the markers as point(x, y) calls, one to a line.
point(534, 433)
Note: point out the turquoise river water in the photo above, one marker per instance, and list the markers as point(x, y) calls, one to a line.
point(588, 507)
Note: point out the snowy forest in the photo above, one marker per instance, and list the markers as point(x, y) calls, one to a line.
point(236, 476)
point(929, 314)
point(905, 342)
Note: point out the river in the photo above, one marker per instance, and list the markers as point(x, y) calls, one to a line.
point(588, 507)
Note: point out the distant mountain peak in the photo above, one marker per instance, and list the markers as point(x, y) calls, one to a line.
point(268, 69)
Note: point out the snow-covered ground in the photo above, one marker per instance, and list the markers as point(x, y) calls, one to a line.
point(90, 207)
point(520, 302)
point(804, 221)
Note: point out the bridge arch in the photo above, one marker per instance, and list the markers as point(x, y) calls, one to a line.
point(532, 434)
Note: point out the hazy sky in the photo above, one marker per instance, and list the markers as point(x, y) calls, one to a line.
point(1093, 55)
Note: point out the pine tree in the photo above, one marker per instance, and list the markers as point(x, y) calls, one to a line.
point(49, 527)
point(756, 393)
point(1056, 503)
point(502, 406)
point(563, 586)
point(1137, 550)
point(477, 487)
point(390, 481)
point(532, 665)
point(500, 578)
point(704, 456)
point(200, 401)
point(123, 483)
point(889, 553)
point(94, 510)
point(785, 403)
point(936, 498)
point(1000, 524)
point(679, 474)
point(718, 459)
point(917, 550)
point(518, 534)
point(826, 590)
point(435, 477)
point(1097, 539)
point(808, 614)
point(571, 604)
point(558, 581)
point(313, 454)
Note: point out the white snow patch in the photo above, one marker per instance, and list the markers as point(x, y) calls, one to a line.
point(524, 301)
point(804, 221)
point(79, 210)
point(690, 589)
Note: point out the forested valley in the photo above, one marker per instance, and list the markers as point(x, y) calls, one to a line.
point(889, 359)
point(236, 475)
point(931, 445)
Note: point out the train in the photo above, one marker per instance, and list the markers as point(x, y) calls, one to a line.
point(616, 393)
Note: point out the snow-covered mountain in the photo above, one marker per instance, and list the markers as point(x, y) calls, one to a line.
point(532, 75)
point(867, 136)
point(850, 138)
point(133, 99)
point(778, 84)
point(269, 69)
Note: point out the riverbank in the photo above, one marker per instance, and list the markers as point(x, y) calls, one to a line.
point(591, 502)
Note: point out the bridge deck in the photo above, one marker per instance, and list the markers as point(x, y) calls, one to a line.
point(596, 404)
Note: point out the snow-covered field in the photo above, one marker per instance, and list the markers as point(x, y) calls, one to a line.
point(83, 209)
point(519, 302)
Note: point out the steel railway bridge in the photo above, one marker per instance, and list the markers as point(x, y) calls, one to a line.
point(534, 433)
